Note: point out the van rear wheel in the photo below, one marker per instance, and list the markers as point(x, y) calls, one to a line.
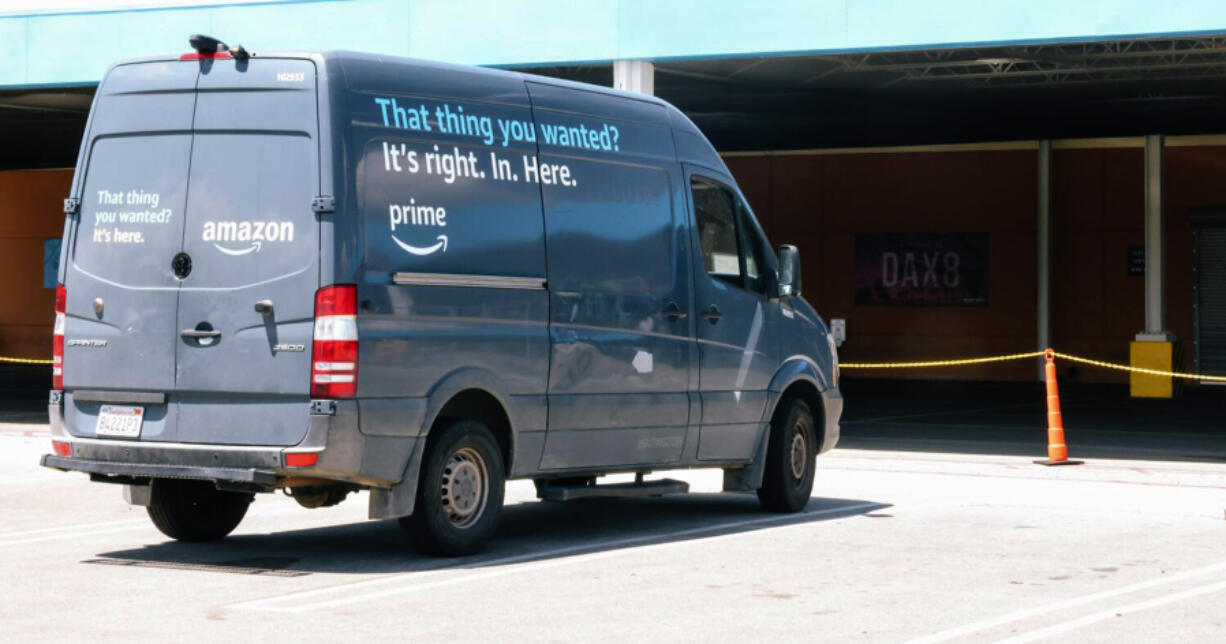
point(195, 510)
point(790, 459)
point(460, 493)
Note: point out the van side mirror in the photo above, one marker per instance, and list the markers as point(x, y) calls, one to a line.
point(789, 271)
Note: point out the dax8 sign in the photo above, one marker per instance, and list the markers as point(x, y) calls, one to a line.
point(922, 269)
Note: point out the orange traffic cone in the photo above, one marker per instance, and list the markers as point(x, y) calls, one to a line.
point(1057, 450)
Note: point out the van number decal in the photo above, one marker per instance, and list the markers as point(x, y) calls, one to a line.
point(291, 77)
point(252, 234)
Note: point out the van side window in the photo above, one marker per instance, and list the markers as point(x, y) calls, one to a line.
point(717, 231)
point(757, 264)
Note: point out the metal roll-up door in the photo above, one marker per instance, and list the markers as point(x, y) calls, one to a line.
point(1209, 231)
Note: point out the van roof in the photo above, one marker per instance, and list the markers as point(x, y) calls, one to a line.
point(693, 149)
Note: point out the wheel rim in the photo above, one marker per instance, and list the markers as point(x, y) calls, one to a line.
point(799, 457)
point(465, 487)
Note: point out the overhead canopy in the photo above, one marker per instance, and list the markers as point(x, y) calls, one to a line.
point(1057, 90)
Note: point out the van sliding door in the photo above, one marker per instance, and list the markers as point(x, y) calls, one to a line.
point(622, 350)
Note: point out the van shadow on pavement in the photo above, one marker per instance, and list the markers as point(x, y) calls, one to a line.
point(1100, 421)
point(532, 531)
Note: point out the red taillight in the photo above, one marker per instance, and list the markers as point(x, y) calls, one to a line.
point(57, 341)
point(301, 459)
point(334, 354)
point(62, 449)
point(195, 55)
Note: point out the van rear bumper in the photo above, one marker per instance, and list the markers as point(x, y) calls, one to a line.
point(345, 454)
point(125, 472)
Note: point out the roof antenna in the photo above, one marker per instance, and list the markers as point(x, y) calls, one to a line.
point(207, 44)
point(240, 53)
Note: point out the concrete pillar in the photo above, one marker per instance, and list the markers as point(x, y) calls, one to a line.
point(634, 76)
point(1154, 347)
point(1155, 263)
point(1044, 267)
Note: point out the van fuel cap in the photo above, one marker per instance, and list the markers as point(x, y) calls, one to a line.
point(181, 265)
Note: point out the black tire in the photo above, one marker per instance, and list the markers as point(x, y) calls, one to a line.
point(791, 454)
point(459, 495)
point(195, 510)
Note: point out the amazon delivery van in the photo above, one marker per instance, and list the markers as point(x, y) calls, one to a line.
point(339, 272)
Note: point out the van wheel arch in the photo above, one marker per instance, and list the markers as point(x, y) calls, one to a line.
point(481, 406)
point(807, 391)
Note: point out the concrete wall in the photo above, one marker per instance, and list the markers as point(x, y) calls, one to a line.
point(33, 212)
point(819, 201)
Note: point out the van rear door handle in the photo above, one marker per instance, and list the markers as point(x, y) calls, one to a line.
point(674, 312)
point(197, 334)
point(712, 314)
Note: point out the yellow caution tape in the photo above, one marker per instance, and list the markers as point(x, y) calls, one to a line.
point(1022, 356)
point(938, 363)
point(24, 360)
point(1152, 372)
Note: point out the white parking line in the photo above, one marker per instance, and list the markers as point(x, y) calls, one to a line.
point(1007, 618)
point(5, 536)
point(106, 527)
point(72, 535)
point(36, 478)
point(1094, 618)
point(361, 591)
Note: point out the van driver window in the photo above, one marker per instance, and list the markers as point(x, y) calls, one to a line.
point(756, 263)
point(716, 219)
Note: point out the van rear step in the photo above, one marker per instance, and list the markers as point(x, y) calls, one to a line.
point(569, 490)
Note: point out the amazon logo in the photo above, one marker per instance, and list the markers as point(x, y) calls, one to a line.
point(243, 237)
point(415, 216)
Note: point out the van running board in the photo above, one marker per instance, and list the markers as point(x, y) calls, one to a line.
point(550, 491)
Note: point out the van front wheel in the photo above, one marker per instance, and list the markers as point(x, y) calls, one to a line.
point(791, 453)
point(460, 493)
point(195, 510)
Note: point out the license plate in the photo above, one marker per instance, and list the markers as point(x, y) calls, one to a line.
point(120, 421)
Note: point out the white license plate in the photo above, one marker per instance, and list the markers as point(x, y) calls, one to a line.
point(119, 421)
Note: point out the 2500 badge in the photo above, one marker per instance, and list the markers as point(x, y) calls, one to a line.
point(253, 234)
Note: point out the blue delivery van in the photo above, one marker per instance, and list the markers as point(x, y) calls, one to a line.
point(336, 272)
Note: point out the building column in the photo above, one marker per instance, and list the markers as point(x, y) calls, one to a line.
point(1154, 347)
point(1155, 261)
point(634, 76)
point(1044, 267)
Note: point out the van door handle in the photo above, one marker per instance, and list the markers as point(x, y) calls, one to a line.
point(674, 312)
point(712, 314)
point(197, 334)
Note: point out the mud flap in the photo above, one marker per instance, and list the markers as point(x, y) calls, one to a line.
point(137, 495)
point(398, 501)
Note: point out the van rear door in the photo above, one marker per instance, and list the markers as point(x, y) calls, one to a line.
point(246, 311)
point(195, 207)
point(122, 293)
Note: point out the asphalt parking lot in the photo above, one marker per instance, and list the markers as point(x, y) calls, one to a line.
point(928, 541)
